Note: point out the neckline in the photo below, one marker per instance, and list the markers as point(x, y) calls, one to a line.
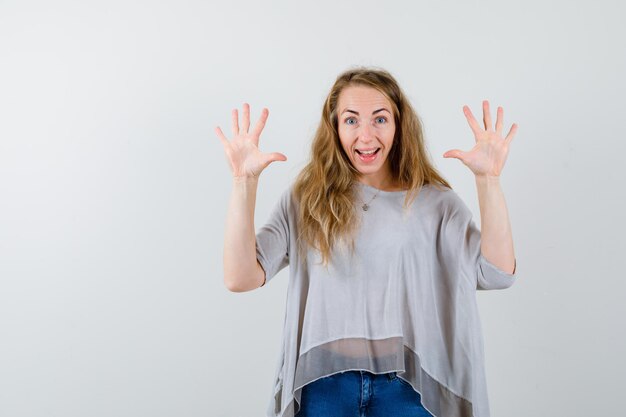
point(379, 191)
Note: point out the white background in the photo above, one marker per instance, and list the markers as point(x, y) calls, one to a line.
point(114, 188)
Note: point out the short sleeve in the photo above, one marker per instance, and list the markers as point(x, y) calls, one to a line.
point(272, 239)
point(463, 247)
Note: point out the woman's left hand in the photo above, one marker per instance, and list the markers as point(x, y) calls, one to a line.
point(487, 157)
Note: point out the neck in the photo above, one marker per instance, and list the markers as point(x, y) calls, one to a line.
point(384, 184)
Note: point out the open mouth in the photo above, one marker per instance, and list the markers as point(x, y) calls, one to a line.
point(367, 156)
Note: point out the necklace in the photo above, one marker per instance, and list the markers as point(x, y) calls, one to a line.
point(366, 206)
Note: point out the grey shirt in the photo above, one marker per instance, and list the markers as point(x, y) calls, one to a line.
point(404, 301)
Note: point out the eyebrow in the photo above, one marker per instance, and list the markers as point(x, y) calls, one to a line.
point(374, 112)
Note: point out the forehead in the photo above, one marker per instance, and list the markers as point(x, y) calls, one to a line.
point(363, 97)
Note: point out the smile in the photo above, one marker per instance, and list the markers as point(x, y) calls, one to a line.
point(367, 155)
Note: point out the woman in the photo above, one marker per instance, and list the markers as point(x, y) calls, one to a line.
point(385, 259)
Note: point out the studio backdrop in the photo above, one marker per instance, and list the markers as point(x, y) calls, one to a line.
point(114, 190)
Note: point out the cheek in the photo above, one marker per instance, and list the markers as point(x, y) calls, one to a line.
point(345, 142)
point(389, 137)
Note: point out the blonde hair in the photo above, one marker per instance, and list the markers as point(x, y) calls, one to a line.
point(324, 187)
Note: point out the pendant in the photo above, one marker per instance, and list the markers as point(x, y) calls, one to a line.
point(365, 207)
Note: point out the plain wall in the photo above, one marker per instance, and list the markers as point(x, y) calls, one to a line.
point(114, 189)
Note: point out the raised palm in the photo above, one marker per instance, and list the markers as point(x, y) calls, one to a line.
point(244, 156)
point(489, 154)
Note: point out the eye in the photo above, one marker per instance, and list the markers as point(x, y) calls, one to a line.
point(349, 119)
point(384, 119)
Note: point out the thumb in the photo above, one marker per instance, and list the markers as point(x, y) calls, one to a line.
point(277, 156)
point(268, 158)
point(454, 153)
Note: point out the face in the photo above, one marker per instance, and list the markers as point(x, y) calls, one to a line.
point(366, 128)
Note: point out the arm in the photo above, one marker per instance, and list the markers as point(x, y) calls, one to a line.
point(486, 160)
point(496, 243)
point(242, 271)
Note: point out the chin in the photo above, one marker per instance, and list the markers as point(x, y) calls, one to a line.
point(368, 167)
point(369, 170)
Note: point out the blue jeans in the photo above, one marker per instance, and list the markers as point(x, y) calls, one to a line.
point(361, 394)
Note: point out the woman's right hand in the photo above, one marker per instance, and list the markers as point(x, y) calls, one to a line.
point(246, 161)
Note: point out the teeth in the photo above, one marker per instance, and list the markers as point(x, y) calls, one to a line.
point(368, 152)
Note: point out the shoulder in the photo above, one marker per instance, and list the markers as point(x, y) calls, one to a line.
point(288, 195)
point(287, 201)
point(444, 203)
point(442, 197)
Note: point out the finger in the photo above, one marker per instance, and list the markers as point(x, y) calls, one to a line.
point(235, 122)
point(246, 118)
point(471, 120)
point(221, 136)
point(277, 156)
point(268, 158)
point(454, 153)
point(486, 115)
point(261, 123)
point(499, 121)
point(511, 134)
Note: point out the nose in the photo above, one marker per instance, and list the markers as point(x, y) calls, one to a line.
point(367, 132)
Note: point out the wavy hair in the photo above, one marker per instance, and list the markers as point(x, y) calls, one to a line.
point(325, 186)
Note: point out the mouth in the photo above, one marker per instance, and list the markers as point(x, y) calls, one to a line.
point(367, 155)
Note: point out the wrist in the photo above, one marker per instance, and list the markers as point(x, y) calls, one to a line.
point(245, 180)
point(490, 179)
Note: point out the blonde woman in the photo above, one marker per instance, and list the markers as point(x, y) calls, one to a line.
point(384, 257)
